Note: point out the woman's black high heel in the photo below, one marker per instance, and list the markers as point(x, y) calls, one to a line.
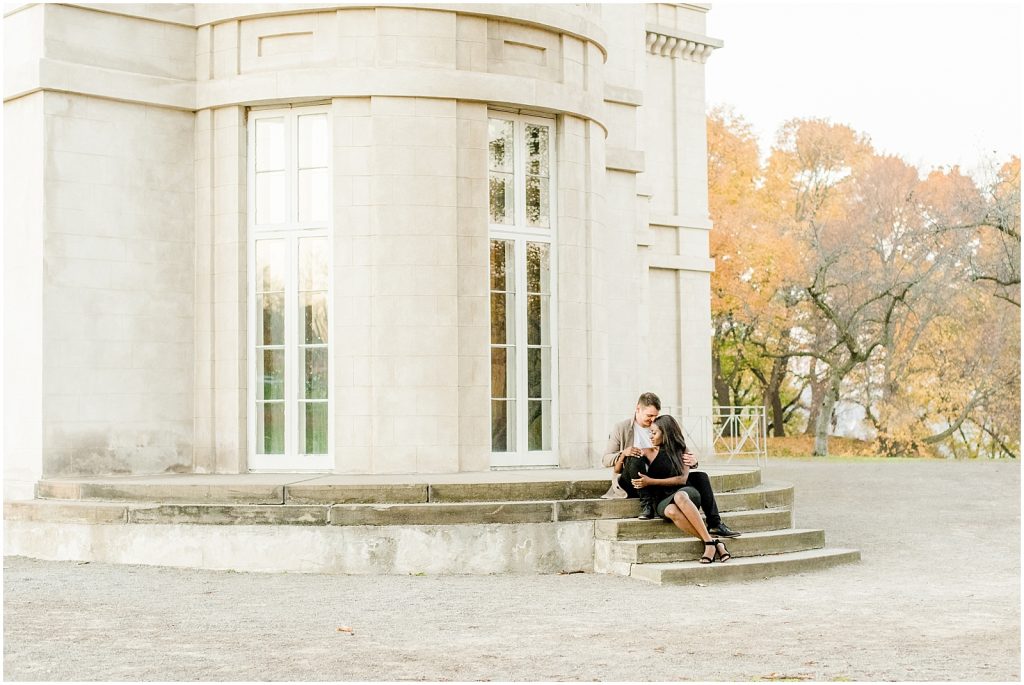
point(719, 555)
point(714, 552)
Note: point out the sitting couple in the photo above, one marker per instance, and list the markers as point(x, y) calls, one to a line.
point(649, 457)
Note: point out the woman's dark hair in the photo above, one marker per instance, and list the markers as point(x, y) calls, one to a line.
point(673, 443)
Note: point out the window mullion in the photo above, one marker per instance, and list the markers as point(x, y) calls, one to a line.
point(289, 351)
point(522, 375)
point(292, 300)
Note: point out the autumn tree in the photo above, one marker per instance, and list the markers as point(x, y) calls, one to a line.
point(898, 293)
point(751, 322)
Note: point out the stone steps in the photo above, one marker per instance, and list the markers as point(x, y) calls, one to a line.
point(691, 549)
point(510, 511)
point(323, 490)
point(541, 521)
point(742, 521)
point(738, 569)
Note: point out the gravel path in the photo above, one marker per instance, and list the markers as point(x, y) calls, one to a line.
point(936, 597)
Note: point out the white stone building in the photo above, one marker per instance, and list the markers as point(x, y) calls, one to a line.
point(403, 239)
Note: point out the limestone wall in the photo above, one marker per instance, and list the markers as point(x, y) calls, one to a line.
point(132, 168)
point(118, 287)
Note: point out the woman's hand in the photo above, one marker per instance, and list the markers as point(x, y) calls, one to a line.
point(642, 481)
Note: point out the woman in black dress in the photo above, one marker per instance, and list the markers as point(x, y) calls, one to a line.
point(666, 475)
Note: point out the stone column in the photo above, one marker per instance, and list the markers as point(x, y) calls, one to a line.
point(23, 295)
point(221, 395)
point(679, 218)
point(473, 289)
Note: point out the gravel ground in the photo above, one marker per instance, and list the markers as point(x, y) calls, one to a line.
point(936, 597)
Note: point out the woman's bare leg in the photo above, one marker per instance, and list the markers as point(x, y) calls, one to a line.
point(680, 521)
point(688, 519)
point(689, 512)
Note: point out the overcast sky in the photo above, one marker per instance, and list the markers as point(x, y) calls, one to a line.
point(936, 83)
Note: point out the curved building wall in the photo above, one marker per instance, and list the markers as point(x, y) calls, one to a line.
point(146, 297)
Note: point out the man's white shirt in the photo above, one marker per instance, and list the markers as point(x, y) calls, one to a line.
point(641, 436)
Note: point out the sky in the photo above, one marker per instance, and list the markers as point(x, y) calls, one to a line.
point(938, 84)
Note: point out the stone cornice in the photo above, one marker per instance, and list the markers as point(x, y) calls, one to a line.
point(668, 42)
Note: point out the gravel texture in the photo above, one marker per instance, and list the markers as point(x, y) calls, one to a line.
point(936, 597)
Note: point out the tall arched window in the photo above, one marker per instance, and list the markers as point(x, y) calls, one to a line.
point(522, 283)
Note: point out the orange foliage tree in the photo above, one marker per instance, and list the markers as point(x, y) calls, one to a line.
point(842, 269)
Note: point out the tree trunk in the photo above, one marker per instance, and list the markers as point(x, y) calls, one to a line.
point(723, 393)
point(823, 425)
point(817, 392)
point(773, 398)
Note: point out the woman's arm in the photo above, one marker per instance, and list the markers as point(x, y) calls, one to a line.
point(644, 481)
point(620, 459)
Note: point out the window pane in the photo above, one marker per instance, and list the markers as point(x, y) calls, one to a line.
point(269, 144)
point(503, 426)
point(537, 200)
point(314, 363)
point(270, 381)
point(312, 141)
point(313, 194)
point(503, 375)
point(313, 259)
point(501, 197)
point(270, 197)
point(500, 150)
point(270, 428)
point(537, 150)
point(313, 318)
point(538, 372)
point(270, 312)
point(270, 258)
point(503, 319)
point(538, 268)
point(503, 267)
point(538, 317)
point(539, 425)
point(313, 427)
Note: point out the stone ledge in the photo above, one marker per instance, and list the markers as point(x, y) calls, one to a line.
point(357, 494)
point(243, 515)
point(744, 568)
point(594, 509)
point(65, 512)
point(442, 514)
point(154, 492)
point(621, 159)
point(658, 529)
point(513, 492)
point(298, 489)
point(764, 496)
point(623, 95)
point(691, 549)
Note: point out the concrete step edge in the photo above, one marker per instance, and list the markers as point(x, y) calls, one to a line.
point(745, 521)
point(690, 549)
point(744, 568)
point(573, 509)
point(306, 492)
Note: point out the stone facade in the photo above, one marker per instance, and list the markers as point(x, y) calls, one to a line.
point(128, 271)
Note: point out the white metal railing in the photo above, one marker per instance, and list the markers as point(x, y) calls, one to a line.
point(729, 432)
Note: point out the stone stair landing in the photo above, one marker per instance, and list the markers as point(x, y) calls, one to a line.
point(513, 521)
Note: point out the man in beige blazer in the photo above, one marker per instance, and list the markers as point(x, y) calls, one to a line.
point(630, 438)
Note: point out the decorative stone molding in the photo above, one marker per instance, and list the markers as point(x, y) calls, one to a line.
point(679, 45)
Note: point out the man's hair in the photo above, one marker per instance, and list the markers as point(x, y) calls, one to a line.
point(649, 399)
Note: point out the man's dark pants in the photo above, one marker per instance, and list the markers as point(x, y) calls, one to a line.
point(698, 487)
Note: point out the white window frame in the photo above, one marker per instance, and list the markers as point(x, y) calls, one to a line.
point(521, 234)
point(291, 230)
